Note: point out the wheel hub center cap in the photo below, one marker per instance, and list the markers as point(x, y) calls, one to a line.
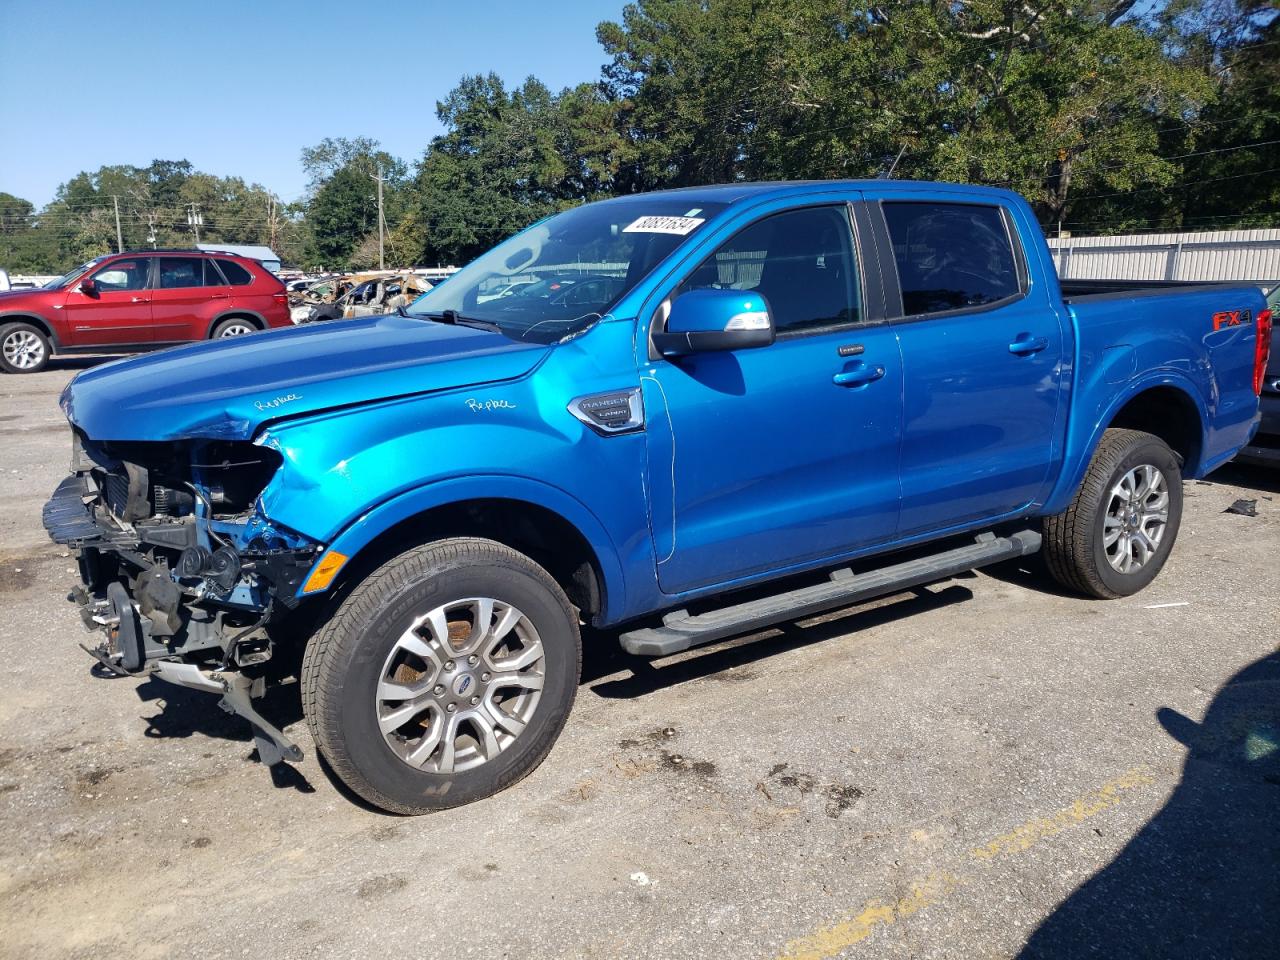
point(464, 684)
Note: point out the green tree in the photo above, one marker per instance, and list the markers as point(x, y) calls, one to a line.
point(506, 160)
point(341, 207)
point(1051, 98)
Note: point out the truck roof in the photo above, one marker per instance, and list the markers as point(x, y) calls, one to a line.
point(735, 192)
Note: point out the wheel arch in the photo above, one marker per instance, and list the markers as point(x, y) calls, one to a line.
point(1168, 412)
point(239, 313)
point(36, 321)
point(1163, 405)
point(549, 527)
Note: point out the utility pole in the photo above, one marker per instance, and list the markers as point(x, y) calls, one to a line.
point(273, 220)
point(119, 236)
point(382, 263)
point(194, 220)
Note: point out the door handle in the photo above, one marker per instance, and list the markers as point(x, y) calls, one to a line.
point(219, 296)
point(860, 376)
point(139, 300)
point(1026, 344)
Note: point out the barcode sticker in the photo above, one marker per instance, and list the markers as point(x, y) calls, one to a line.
point(678, 226)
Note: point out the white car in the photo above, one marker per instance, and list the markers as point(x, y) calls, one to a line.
point(505, 291)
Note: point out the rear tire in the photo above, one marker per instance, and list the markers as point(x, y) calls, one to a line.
point(1121, 526)
point(24, 348)
point(444, 677)
point(234, 327)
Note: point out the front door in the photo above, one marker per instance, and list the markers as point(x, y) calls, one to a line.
point(118, 311)
point(767, 458)
point(983, 369)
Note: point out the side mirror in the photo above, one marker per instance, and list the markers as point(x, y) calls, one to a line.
point(705, 320)
point(87, 286)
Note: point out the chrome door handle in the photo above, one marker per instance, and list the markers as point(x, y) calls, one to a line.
point(1026, 344)
point(858, 377)
point(139, 300)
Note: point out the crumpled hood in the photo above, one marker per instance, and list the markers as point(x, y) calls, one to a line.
point(227, 389)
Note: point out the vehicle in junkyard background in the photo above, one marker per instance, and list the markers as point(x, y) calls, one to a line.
point(356, 295)
point(130, 302)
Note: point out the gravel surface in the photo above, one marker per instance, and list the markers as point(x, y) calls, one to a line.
point(985, 768)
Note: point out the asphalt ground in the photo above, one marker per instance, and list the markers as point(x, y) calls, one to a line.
point(988, 767)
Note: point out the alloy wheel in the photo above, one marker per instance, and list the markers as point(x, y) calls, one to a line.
point(1136, 516)
point(460, 685)
point(23, 349)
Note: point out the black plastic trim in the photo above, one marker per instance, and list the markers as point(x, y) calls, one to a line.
point(679, 631)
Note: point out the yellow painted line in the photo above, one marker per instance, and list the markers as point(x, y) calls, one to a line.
point(829, 941)
point(1091, 804)
point(874, 914)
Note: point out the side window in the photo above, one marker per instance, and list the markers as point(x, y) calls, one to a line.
point(212, 278)
point(124, 274)
point(803, 263)
point(951, 256)
point(236, 275)
point(176, 272)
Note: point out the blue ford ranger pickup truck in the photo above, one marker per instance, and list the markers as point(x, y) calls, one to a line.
point(681, 416)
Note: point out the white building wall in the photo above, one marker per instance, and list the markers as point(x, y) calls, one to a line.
point(1217, 255)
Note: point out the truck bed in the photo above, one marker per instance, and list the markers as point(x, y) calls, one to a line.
point(1074, 291)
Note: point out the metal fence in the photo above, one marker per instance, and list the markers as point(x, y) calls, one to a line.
point(1218, 255)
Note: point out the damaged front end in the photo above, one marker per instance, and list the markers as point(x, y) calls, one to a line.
point(180, 571)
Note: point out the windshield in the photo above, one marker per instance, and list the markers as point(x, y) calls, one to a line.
point(66, 278)
point(563, 274)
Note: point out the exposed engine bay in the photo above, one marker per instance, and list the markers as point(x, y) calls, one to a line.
point(181, 573)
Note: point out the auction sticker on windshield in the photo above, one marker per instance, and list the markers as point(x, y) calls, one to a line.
point(675, 225)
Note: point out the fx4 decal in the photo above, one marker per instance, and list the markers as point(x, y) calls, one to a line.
point(1231, 318)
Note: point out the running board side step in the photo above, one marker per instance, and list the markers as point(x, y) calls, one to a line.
point(679, 631)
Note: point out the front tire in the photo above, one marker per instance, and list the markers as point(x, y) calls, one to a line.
point(23, 348)
point(444, 677)
point(1120, 528)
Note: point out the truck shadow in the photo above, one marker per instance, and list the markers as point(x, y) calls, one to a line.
point(1251, 476)
point(77, 362)
point(184, 713)
point(603, 657)
point(1202, 878)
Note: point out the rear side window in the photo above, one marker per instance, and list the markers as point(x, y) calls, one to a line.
point(178, 272)
point(951, 256)
point(236, 275)
point(212, 278)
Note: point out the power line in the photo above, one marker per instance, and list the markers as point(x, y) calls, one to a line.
point(1178, 186)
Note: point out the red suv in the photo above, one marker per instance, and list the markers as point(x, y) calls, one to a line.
point(126, 302)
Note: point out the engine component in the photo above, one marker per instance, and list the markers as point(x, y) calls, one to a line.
point(194, 561)
point(224, 569)
point(158, 600)
point(170, 502)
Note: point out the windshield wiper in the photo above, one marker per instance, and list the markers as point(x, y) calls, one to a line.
point(456, 319)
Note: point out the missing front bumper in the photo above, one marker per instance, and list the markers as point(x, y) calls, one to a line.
point(237, 691)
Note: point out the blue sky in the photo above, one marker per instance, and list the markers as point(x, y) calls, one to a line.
point(239, 88)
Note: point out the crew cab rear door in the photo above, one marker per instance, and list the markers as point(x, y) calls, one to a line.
point(118, 310)
point(780, 456)
point(983, 356)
